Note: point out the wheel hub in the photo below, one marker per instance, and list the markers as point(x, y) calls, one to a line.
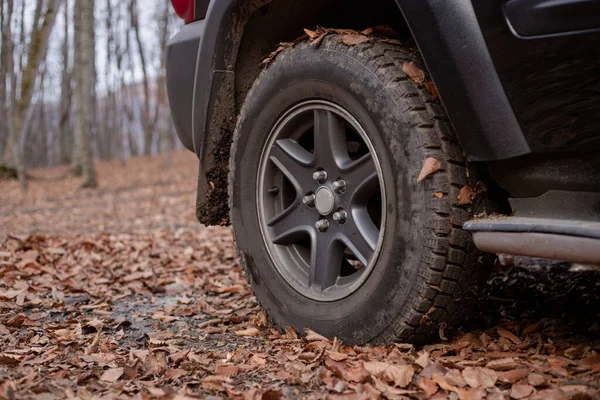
point(324, 200)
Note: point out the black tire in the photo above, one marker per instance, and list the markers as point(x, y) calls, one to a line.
point(425, 270)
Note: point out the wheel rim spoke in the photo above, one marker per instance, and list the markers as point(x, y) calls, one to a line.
point(331, 149)
point(290, 225)
point(293, 161)
point(325, 261)
point(361, 235)
point(361, 177)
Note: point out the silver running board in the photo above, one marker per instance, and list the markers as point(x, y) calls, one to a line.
point(568, 240)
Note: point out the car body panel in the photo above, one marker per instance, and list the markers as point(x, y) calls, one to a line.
point(453, 47)
point(552, 80)
point(181, 73)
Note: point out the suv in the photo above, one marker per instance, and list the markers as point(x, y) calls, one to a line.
point(365, 165)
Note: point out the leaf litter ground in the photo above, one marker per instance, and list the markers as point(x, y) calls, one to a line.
point(118, 293)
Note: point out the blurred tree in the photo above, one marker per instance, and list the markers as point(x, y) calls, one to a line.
point(83, 69)
point(64, 125)
point(148, 120)
point(161, 96)
point(40, 32)
point(7, 88)
point(2, 76)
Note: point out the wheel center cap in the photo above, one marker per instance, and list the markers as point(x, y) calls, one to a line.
point(324, 200)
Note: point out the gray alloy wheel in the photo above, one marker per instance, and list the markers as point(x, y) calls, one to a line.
point(319, 200)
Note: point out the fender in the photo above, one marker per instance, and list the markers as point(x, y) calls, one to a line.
point(452, 46)
point(454, 50)
point(217, 53)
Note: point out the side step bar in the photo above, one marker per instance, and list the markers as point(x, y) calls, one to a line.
point(568, 240)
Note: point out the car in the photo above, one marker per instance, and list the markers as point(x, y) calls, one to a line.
point(367, 154)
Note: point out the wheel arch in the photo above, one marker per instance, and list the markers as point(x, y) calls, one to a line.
point(241, 33)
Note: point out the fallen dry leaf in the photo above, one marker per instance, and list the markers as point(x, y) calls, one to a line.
point(388, 391)
point(430, 165)
point(112, 375)
point(521, 390)
point(414, 73)
point(400, 375)
point(336, 355)
point(503, 364)
point(311, 34)
point(6, 359)
point(507, 334)
point(432, 89)
point(536, 379)
point(423, 359)
point(443, 383)
point(455, 377)
point(313, 336)
point(348, 370)
point(16, 320)
point(248, 332)
point(439, 195)
point(428, 386)
point(513, 376)
point(226, 369)
point(384, 30)
point(465, 196)
point(480, 377)
point(290, 333)
point(175, 373)
point(352, 40)
point(472, 394)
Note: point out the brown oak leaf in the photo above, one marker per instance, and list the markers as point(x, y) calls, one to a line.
point(430, 165)
point(414, 72)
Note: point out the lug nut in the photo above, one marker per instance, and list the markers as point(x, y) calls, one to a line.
point(309, 200)
point(322, 225)
point(340, 216)
point(320, 176)
point(339, 186)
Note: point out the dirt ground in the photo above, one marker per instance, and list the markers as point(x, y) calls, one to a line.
point(118, 293)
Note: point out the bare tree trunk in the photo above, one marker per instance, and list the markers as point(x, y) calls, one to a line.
point(22, 45)
point(129, 98)
point(9, 83)
point(36, 16)
point(83, 16)
point(131, 137)
point(64, 126)
point(7, 61)
point(148, 123)
point(10, 150)
point(161, 95)
point(123, 104)
point(94, 79)
point(45, 130)
point(76, 162)
point(37, 49)
point(106, 139)
point(2, 78)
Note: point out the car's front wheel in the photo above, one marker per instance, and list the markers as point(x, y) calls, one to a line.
point(333, 229)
